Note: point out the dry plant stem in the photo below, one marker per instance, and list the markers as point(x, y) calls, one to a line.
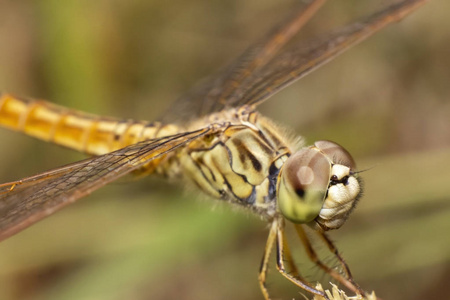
point(336, 294)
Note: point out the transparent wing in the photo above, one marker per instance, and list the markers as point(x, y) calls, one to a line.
point(258, 74)
point(202, 99)
point(300, 60)
point(29, 200)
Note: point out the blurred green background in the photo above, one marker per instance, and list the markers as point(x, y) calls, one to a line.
point(386, 100)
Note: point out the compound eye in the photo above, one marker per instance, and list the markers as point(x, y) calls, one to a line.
point(336, 153)
point(303, 185)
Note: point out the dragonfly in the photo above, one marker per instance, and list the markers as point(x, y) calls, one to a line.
point(215, 138)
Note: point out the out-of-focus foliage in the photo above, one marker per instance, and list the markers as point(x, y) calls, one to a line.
point(386, 100)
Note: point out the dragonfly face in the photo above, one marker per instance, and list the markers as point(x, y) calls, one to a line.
point(317, 186)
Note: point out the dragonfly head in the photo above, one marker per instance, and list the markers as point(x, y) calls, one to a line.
point(318, 186)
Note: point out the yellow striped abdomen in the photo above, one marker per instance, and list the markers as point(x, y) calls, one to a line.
point(76, 130)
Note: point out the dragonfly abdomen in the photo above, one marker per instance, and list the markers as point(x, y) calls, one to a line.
point(88, 133)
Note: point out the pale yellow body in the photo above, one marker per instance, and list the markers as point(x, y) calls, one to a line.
point(239, 162)
point(76, 130)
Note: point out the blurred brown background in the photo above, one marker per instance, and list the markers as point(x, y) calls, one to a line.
point(386, 100)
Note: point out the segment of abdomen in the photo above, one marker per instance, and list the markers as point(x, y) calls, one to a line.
point(77, 130)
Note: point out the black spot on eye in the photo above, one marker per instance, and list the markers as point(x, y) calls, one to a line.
point(334, 178)
point(300, 192)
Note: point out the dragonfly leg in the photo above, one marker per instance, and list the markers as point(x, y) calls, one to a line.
point(289, 259)
point(282, 258)
point(265, 260)
point(347, 280)
point(352, 284)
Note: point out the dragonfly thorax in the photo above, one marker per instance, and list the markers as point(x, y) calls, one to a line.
point(239, 162)
point(318, 186)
